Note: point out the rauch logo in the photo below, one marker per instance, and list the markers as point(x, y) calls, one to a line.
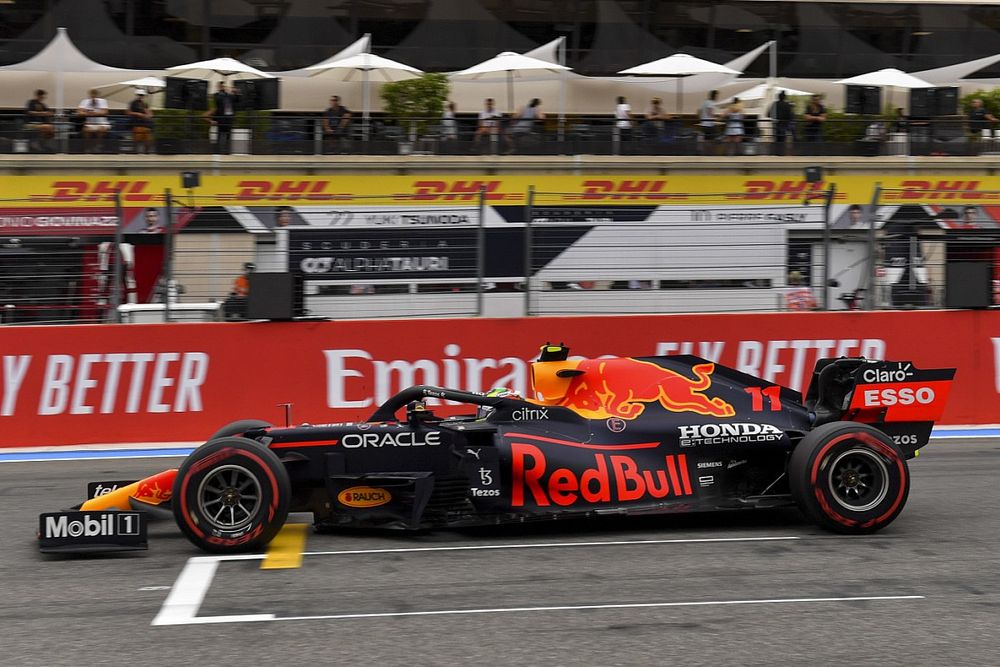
point(363, 496)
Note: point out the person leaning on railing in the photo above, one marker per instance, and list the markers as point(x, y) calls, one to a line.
point(336, 118)
point(814, 116)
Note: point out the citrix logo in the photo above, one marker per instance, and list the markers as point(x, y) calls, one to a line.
point(529, 414)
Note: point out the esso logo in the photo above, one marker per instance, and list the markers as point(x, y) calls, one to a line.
point(880, 398)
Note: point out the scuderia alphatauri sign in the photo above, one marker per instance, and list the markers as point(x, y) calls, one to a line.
point(432, 251)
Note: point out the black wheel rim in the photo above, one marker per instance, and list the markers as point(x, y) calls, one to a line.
point(858, 479)
point(229, 497)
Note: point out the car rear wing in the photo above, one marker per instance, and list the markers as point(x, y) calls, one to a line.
point(900, 399)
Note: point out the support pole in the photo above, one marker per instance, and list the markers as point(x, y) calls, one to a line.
point(827, 244)
point(168, 257)
point(481, 252)
point(116, 289)
point(871, 297)
point(529, 213)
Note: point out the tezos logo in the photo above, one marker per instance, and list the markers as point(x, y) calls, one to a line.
point(363, 496)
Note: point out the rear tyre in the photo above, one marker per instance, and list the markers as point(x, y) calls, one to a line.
point(849, 477)
point(231, 495)
point(240, 427)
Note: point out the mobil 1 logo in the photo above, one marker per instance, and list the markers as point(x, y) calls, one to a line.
point(105, 530)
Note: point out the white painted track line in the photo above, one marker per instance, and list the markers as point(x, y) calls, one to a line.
point(192, 585)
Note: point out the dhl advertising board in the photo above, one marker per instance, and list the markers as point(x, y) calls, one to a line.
point(181, 382)
point(384, 190)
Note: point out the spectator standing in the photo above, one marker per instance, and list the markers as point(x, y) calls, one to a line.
point(524, 126)
point(706, 120)
point(734, 126)
point(221, 115)
point(140, 120)
point(979, 118)
point(283, 217)
point(489, 123)
point(38, 118)
point(449, 124)
point(814, 116)
point(799, 296)
point(94, 111)
point(657, 119)
point(782, 114)
point(336, 119)
point(900, 123)
point(623, 119)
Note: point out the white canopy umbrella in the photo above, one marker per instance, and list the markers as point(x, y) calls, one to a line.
point(512, 64)
point(126, 89)
point(679, 65)
point(366, 63)
point(890, 77)
point(887, 78)
point(224, 67)
point(764, 90)
point(60, 56)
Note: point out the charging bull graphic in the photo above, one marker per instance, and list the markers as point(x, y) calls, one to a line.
point(602, 388)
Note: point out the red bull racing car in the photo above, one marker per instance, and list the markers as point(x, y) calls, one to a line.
point(616, 435)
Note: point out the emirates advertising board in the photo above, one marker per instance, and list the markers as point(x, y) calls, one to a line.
point(180, 382)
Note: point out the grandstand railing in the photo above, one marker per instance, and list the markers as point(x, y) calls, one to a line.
point(282, 134)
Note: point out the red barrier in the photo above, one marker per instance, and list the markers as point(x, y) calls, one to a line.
point(179, 382)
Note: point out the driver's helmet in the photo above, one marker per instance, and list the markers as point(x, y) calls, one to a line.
point(496, 392)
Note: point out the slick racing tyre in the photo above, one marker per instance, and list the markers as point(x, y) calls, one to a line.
point(239, 427)
point(231, 495)
point(849, 477)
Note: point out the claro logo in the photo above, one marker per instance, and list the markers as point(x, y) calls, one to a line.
point(363, 496)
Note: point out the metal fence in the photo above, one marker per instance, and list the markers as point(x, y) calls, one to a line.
point(183, 258)
point(280, 134)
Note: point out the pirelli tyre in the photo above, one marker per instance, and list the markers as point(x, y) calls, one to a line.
point(849, 477)
point(231, 495)
point(240, 427)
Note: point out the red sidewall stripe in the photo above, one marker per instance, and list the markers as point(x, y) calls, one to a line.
point(877, 444)
point(250, 455)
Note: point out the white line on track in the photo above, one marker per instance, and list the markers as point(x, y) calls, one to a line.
point(636, 605)
point(188, 592)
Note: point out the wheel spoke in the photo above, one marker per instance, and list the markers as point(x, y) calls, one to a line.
point(219, 513)
point(212, 501)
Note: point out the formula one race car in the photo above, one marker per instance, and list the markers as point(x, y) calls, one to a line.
point(601, 436)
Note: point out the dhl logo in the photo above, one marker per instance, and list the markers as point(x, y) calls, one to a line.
point(625, 190)
point(939, 190)
point(99, 190)
point(785, 190)
point(603, 388)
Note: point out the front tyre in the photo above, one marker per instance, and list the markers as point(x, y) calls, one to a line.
point(231, 495)
point(849, 477)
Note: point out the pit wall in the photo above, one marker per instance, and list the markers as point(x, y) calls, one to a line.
point(180, 382)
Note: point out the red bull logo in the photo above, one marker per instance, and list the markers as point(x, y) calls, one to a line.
point(624, 387)
point(613, 478)
point(156, 489)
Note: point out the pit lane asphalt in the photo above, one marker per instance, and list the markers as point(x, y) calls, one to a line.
point(945, 546)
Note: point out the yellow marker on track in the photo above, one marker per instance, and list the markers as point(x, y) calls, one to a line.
point(285, 550)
